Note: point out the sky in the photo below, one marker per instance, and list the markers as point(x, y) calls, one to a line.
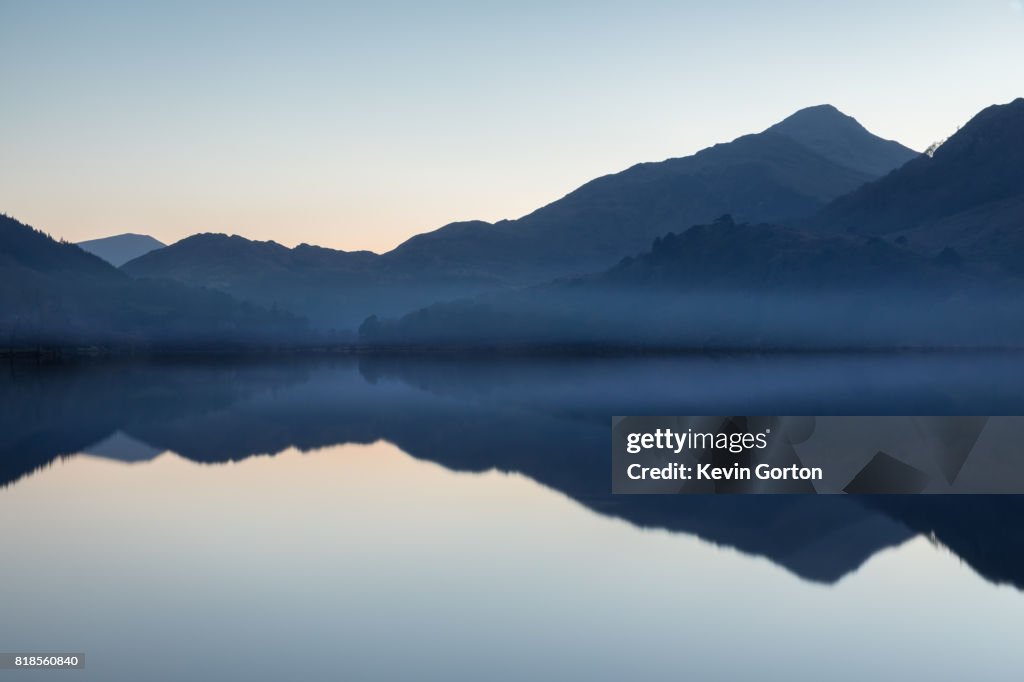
point(358, 125)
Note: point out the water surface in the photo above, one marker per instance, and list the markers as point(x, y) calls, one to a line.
point(406, 517)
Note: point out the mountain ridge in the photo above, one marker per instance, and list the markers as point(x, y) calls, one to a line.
point(766, 176)
point(775, 157)
point(56, 293)
point(968, 195)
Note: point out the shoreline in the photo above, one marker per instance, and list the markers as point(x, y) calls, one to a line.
point(479, 351)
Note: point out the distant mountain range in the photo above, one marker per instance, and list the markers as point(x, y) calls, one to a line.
point(54, 293)
point(121, 248)
point(831, 233)
point(334, 289)
point(927, 255)
point(786, 172)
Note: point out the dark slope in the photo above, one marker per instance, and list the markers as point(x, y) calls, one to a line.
point(121, 248)
point(726, 255)
point(968, 196)
point(54, 293)
point(24, 247)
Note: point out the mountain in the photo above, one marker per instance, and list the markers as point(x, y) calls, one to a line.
point(968, 196)
point(334, 289)
point(55, 293)
point(841, 139)
point(226, 262)
point(121, 248)
point(732, 285)
point(927, 256)
point(725, 255)
point(786, 172)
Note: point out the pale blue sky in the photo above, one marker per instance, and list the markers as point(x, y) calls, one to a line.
point(357, 125)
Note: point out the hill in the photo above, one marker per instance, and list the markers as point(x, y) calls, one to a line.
point(54, 293)
point(733, 285)
point(968, 196)
point(121, 248)
point(334, 289)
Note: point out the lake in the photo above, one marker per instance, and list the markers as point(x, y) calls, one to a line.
point(389, 517)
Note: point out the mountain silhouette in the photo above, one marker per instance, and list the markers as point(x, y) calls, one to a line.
point(334, 289)
point(55, 293)
point(36, 254)
point(927, 256)
point(840, 138)
point(968, 196)
point(786, 172)
point(121, 248)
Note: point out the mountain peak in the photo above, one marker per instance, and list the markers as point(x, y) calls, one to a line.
point(818, 112)
point(121, 248)
point(840, 138)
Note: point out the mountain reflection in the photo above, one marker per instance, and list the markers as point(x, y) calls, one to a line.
point(547, 418)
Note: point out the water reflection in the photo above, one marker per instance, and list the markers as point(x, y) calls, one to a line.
point(546, 418)
point(362, 562)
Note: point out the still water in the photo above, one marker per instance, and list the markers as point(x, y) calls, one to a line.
point(393, 518)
